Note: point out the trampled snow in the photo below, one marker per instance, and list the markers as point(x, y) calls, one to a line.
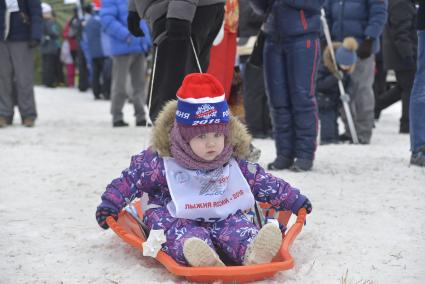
point(367, 224)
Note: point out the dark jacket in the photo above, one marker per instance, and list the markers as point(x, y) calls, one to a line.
point(50, 41)
point(25, 25)
point(399, 38)
point(356, 18)
point(249, 21)
point(327, 82)
point(289, 18)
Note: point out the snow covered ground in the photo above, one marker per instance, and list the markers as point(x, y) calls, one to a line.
point(367, 224)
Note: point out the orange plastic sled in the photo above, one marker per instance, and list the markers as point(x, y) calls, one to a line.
point(128, 229)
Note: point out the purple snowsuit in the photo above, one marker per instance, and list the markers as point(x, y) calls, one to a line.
point(231, 236)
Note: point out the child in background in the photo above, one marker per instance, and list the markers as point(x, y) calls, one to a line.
point(327, 86)
point(199, 184)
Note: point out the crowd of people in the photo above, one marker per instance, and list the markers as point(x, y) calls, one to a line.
point(293, 94)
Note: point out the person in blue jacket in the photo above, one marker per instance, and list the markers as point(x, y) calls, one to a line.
point(364, 20)
point(128, 57)
point(291, 55)
point(21, 28)
point(100, 77)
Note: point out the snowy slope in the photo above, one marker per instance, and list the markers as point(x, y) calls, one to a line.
point(367, 223)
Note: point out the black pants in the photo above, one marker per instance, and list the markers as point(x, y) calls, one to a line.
point(83, 72)
point(328, 113)
point(49, 75)
point(255, 102)
point(101, 78)
point(175, 58)
point(379, 84)
point(401, 91)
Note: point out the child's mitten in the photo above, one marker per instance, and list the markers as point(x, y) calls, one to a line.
point(301, 202)
point(104, 212)
point(307, 205)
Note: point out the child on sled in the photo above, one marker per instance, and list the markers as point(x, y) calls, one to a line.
point(199, 184)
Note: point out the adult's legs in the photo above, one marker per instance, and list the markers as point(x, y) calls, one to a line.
point(106, 77)
point(6, 81)
point(97, 64)
point(401, 91)
point(204, 32)
point(417, 101)
point(23, 65)
point(303, 59)
point(405, 80)
point(48, 70)
point(255, 101)
point(120, 68)
point(379, 84)
point(362, 100)
point(138, 76)
point(83, 72)
point(170, 69)
point(60, 76)
point(175, 58)
point(388, 98)
point(276, 83)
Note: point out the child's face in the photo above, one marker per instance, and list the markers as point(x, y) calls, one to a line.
point(207, 146)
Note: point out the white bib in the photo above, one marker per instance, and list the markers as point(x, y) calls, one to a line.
point(207, 196)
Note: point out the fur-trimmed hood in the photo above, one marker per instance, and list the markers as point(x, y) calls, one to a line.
point(238, 134)
point(327, 59)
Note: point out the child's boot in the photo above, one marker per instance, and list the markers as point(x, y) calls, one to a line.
point(265, 246)
point(198, 253)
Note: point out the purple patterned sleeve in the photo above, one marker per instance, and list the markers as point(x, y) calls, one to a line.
point(268, 188)
point(142, 175)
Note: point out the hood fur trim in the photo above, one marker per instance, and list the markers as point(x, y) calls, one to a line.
point(327, 59)
point(238, 134)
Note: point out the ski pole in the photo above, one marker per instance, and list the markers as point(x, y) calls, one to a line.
point(160, 38)
point(343, 96)
point(196, 55)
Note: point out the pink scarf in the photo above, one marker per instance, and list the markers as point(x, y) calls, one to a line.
point(181, 151)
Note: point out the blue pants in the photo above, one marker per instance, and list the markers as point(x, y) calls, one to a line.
point(290, 73)
point(417, 99)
